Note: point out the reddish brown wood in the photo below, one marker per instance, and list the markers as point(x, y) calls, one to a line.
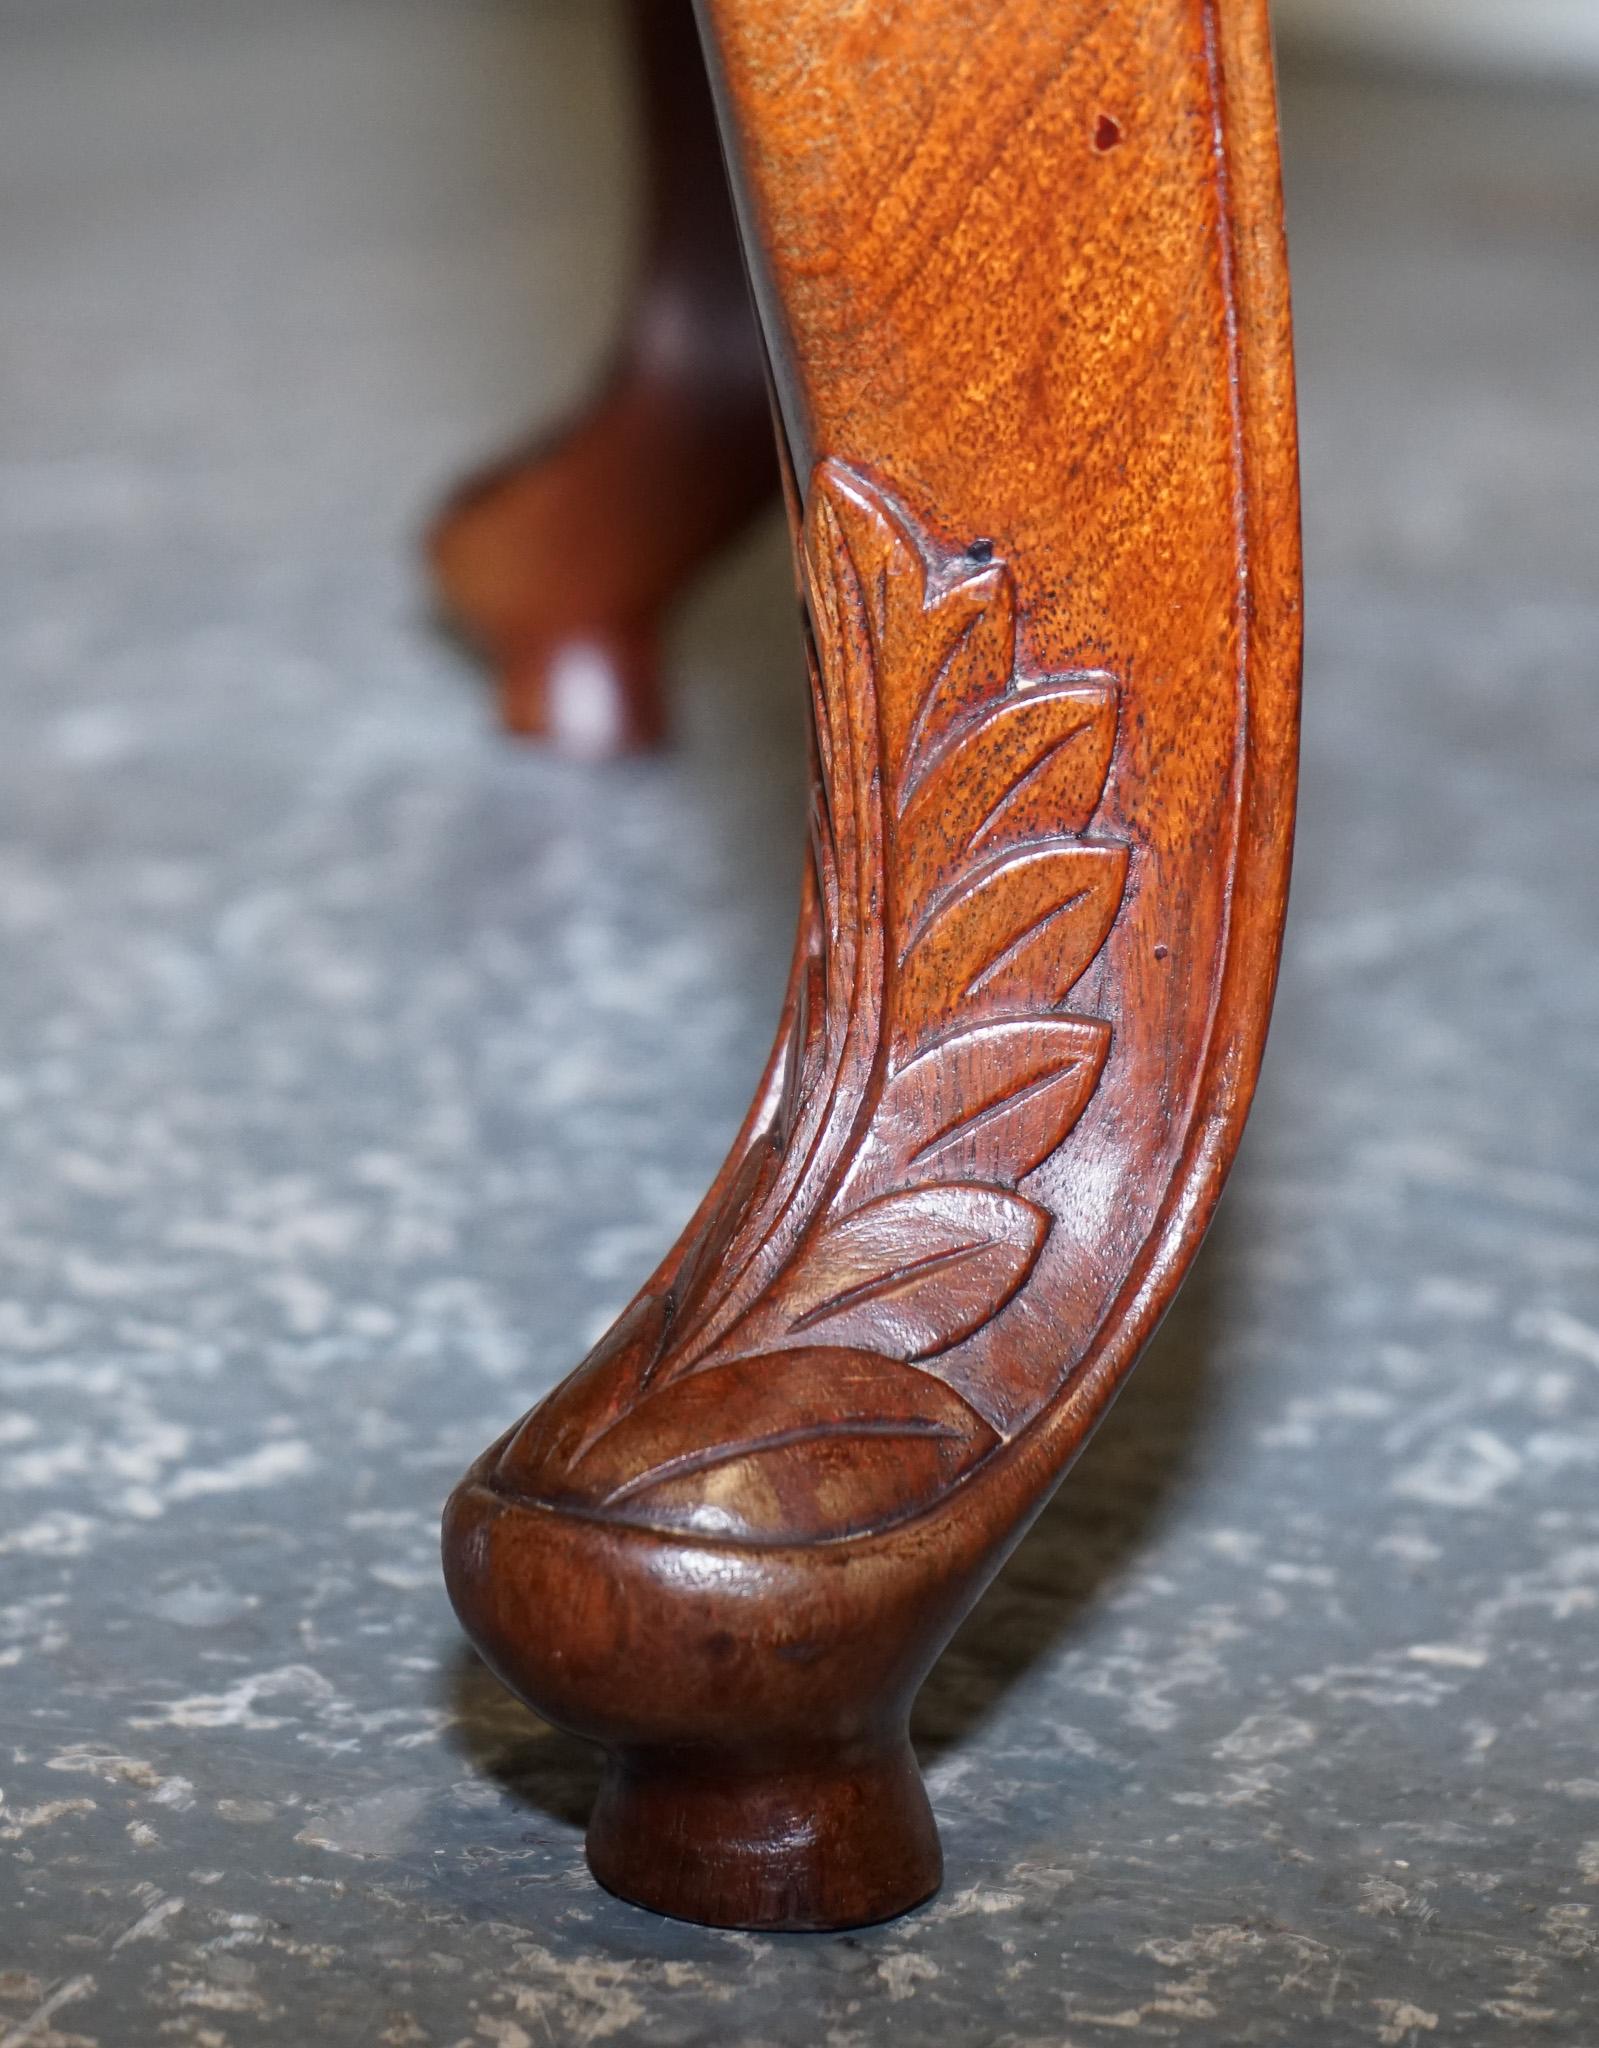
point(561, 562)
point(1026, 299)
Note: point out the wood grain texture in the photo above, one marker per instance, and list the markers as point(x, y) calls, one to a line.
point(1026, 302)
point(561, 561)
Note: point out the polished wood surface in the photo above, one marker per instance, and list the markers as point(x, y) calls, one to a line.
point(561, 562)
point(1025, 300)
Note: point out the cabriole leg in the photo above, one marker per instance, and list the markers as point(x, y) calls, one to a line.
point(1025, 299)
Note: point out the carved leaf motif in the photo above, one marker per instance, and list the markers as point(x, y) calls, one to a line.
point(968, 653)
point(989, 1102)
point(822, 1440)
point(909, 1274)
point(1018, 931)
point(772, 1394)
point(936, 646)
point(606, 1385)
point(1032, 767)
point(716, 1243)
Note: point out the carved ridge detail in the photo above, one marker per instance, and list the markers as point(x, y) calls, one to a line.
point(954, 901)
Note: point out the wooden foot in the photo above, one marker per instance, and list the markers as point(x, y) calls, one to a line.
point(1028, 316)
point(768, 1842)
point(561, 562)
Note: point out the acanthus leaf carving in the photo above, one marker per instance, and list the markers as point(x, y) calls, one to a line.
point(909, 1273)
point(954, 903)
point(1030, 765)
point(990, 1101)
point(713, 1454)
point(1015, 931)
point(603, 1388)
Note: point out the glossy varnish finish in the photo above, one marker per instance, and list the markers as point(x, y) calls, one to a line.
point(1026, 305)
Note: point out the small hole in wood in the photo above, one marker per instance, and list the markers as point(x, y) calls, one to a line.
point(1107, 133)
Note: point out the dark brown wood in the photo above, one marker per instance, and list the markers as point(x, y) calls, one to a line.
point(1026, 300)
point(561, 561)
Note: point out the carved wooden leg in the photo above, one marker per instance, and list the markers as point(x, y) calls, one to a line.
point(560, 561)
point(1026, 299)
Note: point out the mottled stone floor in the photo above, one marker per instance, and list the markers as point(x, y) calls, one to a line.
point(351, 1075)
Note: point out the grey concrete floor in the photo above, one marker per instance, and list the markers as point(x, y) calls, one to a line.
point(351, 1075)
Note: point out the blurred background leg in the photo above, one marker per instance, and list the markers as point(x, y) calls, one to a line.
point(559, 562)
